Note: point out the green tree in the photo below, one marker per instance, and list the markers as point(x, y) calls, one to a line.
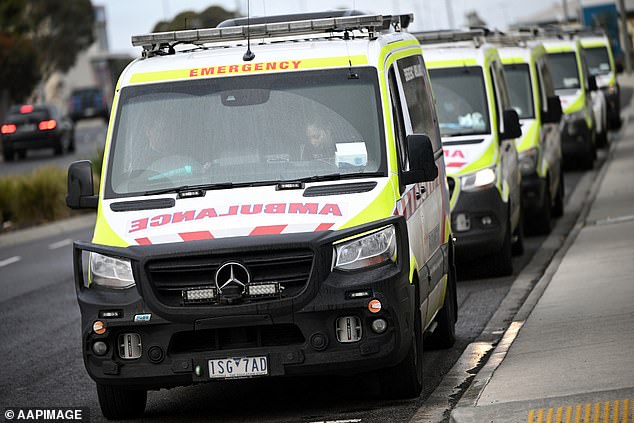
point(208, 18)
point(39, 37)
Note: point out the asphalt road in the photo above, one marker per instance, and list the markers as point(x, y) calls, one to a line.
point(42, 364)
point(41, 355)
point(89, 135)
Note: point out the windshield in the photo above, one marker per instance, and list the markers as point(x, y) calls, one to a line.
point(248, 129)
point(519, 83)
point(564, 69)
point(598, 60)
point(461, 101)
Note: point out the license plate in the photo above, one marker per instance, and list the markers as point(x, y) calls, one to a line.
point(26, 128)
point(238, 367)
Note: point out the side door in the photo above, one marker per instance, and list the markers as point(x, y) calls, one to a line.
point(585, 75)
point(550, 136)
point(420, 118)
point(410, 195)
point(508, 151)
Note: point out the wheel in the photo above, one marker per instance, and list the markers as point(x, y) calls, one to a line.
point(405, 380)
point(602, 139)
point(541, 222)
point(21, 154)
point(71, 144)
point(558, 207)
point(117, 403)
point(59, 148)
point(7, 154)
point(517, 248)
point(502, 261)
point(445, 334)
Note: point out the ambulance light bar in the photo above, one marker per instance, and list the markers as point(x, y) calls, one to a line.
point(278, 29)
point(432, 37)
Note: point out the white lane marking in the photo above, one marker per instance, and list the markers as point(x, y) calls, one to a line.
point(60, 244)
point(10, 260)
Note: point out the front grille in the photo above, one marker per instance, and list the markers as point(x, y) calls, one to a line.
point(170, 277)
point(452, 185)
point(235, 338)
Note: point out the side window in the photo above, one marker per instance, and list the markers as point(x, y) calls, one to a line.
point(584, 67)
point(418, 98)
point(397, 116)
point(502, 101)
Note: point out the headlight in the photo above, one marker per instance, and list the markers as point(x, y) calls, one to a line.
point(528, 160)
point(110, 272)
point(368, 250)
point(481, 179)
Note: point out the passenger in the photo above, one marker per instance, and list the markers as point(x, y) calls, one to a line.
point(320, 145)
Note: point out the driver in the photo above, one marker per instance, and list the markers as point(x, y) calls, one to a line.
point(320, 144)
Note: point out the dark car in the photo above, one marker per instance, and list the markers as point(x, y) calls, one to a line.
point(29, 127)
point(87, 103)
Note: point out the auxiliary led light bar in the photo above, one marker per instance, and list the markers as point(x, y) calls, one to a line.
point(264, 289)
point(198, 295)
point(431, 37)
point(372, 23)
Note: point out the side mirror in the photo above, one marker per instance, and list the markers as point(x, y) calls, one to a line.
point(81, 194)
point(422, 166)
point(592, 83)
point(554, 113)
point(512, 127)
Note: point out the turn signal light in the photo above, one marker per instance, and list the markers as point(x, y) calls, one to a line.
point(8, 128)
point(47, 125)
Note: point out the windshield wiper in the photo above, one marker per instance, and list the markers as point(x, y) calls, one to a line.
point(191, 188)
point(337, 176)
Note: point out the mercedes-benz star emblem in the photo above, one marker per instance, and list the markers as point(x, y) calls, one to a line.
point(232, 276)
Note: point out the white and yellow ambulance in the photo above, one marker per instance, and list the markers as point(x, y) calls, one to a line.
point(532, 95)
point(602, 66)
point(574, 86)
point(273, 202)
point(478, 127)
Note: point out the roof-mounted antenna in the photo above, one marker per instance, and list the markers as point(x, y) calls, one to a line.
point(248, 56)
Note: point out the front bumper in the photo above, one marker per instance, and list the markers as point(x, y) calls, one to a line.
point(576, 139)
point(486, 215)
point(283, 330)
point(533, 191)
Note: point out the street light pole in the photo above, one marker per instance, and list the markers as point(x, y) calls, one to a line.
point(627, 41)
point(565, 5)
point(450, 14)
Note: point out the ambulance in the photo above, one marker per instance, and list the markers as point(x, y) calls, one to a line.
point(273, 202)
point(601, 65)
point(532, 95)
point(478, 127)
point(574, 85)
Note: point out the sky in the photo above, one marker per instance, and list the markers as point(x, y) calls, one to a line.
point(132, 17)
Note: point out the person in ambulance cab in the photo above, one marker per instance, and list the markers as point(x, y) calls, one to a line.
point(320, 145)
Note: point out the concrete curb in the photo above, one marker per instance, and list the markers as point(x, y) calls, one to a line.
point(61, 227)
point(472, 394)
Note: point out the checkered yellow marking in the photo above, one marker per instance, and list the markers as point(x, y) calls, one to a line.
point(617, 411)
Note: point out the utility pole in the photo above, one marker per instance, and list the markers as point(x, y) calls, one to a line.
point(565, 5)
point(450, 14)
point(625, 37)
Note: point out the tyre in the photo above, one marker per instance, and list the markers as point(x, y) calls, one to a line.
point(7, 154)
point(517, 248)
point(117, 403)
point(558, 206)
point(602, 139)
point(445, 334)
point(405, 380)
point(59, 148)
point(21, 154)
point(502, 261)
point(541, 221)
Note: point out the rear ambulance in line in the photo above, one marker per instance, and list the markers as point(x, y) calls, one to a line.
point(479, 128)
